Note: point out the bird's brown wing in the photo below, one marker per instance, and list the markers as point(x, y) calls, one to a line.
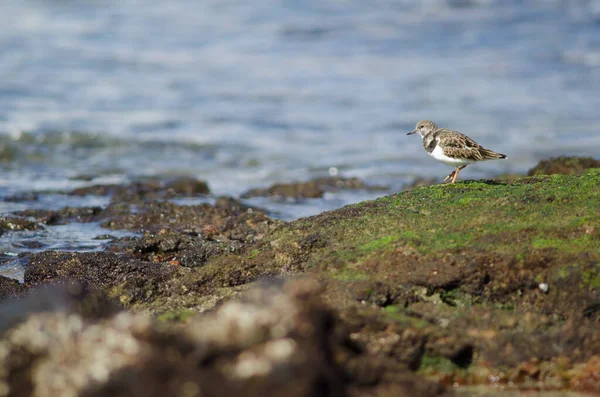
point(460, 146)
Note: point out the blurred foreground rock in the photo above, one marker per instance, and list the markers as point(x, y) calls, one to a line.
point(277, 340)
point(272, 343)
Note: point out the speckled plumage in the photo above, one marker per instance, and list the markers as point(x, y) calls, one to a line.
point(452, 147)
point(458, 145)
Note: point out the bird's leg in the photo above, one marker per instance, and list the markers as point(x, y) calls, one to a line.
point(456, 173)
point(451, 175)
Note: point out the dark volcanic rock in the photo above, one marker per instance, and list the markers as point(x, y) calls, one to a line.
point(10, 288)
point(204, 219)
point(147, 190)
point(312, 189)
point(19, 197)
point(62, 216)
point(97, 190)
point(236, 206)
point(11, 223)
point(564, 165)
point(178, 248)
point(137, 281)
point(187, 187)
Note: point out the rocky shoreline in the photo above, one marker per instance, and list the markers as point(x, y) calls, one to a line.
point(492, 282)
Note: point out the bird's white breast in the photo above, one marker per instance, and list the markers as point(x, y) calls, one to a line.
point(438, 154)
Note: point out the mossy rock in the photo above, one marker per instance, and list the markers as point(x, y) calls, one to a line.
point(564, 165)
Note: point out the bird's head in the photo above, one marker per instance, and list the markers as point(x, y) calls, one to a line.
point(423, 128)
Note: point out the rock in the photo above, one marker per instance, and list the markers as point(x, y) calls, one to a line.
point(204, 219)
point(312, 189)
point(274, 342)
point(564, 165)
point(456, 271)
point(236, 206)
point(83, 177)
point(62, 216)
point(187, 187)
point(98, 190)
point(442, 281)
point(147, 190)
point(181, 249)
point(584, 376)
point(10, 288)
point(20, 197)
point(16, 223)
point(131, 280)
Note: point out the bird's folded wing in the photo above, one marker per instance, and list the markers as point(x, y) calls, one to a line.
point(460, 146)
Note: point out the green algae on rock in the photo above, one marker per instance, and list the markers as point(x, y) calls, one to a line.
point(520, 256)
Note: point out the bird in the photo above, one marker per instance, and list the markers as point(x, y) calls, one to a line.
point(452, 147)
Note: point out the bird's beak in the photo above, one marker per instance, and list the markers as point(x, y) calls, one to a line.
point(412, 132)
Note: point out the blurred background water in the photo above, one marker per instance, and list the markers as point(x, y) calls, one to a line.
point(244, 94)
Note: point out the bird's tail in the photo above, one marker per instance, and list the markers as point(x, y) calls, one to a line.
point(491, 155)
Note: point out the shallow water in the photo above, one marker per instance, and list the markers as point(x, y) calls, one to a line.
point(244, 94)
point(70, 237)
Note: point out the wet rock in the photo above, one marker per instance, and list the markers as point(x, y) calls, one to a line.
point(147, 190)
point(293, 190)
point(20, 197)
point(132, 280)
point(16, 223)
point(83, 177)
point(204, 219)
point(10, 288)
point(187, 187)
point(236, 206)
point(62, 216)
point(564, 165)
point(106, 237)
point(97, 190)
point(312, 189)
point(180, 249)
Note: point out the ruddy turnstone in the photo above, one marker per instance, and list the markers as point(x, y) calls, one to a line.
point(452, 147)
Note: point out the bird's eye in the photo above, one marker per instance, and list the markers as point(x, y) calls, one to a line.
point(421, 127)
